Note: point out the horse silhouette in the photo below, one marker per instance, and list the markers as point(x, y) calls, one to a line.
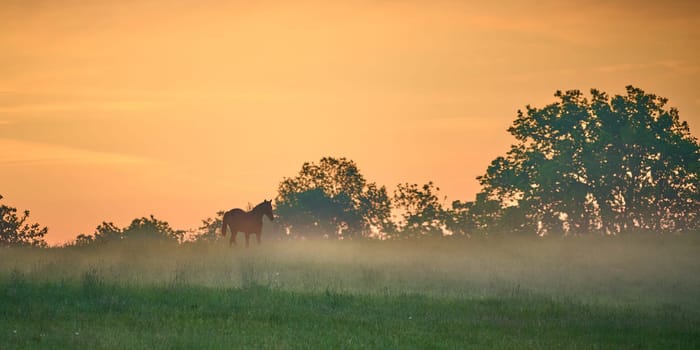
point(248, 222)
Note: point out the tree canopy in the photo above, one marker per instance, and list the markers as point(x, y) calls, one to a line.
point(14, 229)
point(210, 230)
point(333, 198)
point(604, 163)
point(421, 210)
point(140, 229)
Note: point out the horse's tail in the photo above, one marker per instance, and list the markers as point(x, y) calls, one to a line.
point(223, 226)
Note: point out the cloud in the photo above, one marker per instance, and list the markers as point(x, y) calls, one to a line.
point(77, 106)
point(22, 152)
point(676, 67)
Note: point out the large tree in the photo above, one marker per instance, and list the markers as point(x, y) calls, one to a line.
point(332, 198)
point(609, 164)
point(421, 210)
point(14, 229)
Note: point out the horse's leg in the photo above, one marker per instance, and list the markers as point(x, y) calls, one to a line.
point(247, 237)
point(257, 235)
point(232, 242)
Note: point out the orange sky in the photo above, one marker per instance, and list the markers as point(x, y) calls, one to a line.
point(111, 110)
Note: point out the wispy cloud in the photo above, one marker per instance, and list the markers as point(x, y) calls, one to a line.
point(669, 65)
point(23, 152)
point(77, 106)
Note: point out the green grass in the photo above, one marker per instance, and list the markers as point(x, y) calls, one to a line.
point(616, 293)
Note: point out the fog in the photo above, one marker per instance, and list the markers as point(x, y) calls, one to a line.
point(646, 270)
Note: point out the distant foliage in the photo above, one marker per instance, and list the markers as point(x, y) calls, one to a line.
point(604, 164)
point(579, 165)
point(210, 230)
point(421, 210)
point(313, 212)
point(15, 231)
point(142, 228)
point(152, 228)
point(332, 198)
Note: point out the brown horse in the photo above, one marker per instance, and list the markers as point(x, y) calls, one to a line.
point(246, 222)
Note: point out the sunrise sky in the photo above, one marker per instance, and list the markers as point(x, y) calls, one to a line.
point(111, 110)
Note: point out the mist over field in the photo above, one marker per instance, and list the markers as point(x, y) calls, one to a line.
point(452, 292)
point(651, 271)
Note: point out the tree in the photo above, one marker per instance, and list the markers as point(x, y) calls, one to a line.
point(106, 232)
point(15, 231)
point(210, 230)
point(152, 229)
point(421, 210)
point(313, 212)
point(608, 164)
point(140, 229)
point(332, 198)
point(460, 220)
point(83, 240)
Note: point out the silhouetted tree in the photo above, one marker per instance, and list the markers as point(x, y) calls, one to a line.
point(313, 212)
point(460, 218)
point(609, 164)
point(83, 240)
point(140, 229)
point(210, 230)
point(152, 229)
point(421, 211)
point(332, 198)
point(14, 230)
point(106, 232)
point(483, 216)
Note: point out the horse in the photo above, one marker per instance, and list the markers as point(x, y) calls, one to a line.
point(246, 222)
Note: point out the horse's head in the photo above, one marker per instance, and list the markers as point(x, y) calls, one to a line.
point(267, 209)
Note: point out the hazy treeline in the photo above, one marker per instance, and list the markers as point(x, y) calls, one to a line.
point(579, 165)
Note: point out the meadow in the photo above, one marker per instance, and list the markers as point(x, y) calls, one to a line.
point(634, 291)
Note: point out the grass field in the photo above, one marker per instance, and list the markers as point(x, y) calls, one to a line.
point(582, 292)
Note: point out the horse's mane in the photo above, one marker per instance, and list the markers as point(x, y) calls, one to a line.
point(258, 207)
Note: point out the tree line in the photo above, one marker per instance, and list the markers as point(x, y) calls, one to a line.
point(580, 165)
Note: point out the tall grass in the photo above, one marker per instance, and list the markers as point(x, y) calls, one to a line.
point(623, 270)
point(553, 292)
